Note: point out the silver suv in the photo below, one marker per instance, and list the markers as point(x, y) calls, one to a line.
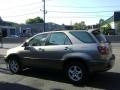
point(76, 52)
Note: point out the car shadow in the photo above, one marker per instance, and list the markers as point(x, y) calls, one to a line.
point(14, 86)
point(46, 74)
point(106, 80)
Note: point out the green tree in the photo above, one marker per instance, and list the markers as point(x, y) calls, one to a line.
point(79, 26)
point(76, 26)
point(34, 20)
point(107, 29)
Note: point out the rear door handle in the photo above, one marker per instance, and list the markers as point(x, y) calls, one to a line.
point(67, 48)
point(42, 50)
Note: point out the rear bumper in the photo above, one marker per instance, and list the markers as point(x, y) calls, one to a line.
point(102, 65)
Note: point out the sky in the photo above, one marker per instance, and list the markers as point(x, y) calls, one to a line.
point(59, 11)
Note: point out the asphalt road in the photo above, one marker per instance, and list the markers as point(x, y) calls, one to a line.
point(54, 80)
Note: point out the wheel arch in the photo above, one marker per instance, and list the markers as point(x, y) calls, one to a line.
point(76, 59)
point(11, 55)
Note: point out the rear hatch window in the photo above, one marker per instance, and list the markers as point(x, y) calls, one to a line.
point(83, 36)
point(99, 36)
point(104, 43)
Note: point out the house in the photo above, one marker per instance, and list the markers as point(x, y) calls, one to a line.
point(31, 29)
point(7, 28)
point(114, 22)
point(68, 27)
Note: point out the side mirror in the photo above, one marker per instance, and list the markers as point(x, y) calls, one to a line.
point(26, 44)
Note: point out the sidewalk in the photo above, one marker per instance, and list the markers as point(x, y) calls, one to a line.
point(7, 46)
point(2, 54)
point(3, 51)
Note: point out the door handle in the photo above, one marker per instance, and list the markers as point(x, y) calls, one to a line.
point(29, 48)
point(42, 50)
point(67, 48)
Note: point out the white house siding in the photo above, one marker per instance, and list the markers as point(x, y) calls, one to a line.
point(112, 25)
point(117, 27)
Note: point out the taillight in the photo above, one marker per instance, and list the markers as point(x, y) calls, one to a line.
point(103, 50)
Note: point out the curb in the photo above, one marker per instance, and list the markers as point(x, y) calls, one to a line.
point(2, 59)
point(2, 56)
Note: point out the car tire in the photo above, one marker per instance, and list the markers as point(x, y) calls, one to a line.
point(14, 65)
point(76, 73)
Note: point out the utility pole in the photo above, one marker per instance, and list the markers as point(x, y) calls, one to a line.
point(44, 12)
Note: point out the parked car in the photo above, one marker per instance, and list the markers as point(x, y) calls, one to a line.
point(76, 52)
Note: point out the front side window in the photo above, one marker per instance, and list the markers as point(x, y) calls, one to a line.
point(58, 38)
point(67, 41)
point(83, 36)
point(38, 40)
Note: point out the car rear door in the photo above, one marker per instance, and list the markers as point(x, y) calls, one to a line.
point(56, 47)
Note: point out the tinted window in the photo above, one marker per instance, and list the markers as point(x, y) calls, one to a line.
point(83, 36)
point(59, 39)
point(67, 41)
point(38, 40)
point(99, 36)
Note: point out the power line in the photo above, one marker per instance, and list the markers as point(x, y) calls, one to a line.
point(20, 15)
point(93, 16)
point(80, 17)
point(20, 6)
point(34, 3)
point(81, 12)
point(62, 12)
point(84, 7)
point(26, 5)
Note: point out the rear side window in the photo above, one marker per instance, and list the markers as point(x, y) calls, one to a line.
point(99, 36)
point(83, 36)
point(58, 38)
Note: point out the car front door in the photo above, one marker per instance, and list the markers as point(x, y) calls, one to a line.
point(32, 53)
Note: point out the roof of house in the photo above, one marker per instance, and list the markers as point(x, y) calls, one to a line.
point(115, 18)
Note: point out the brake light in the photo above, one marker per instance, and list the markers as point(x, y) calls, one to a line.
point(103, 50)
